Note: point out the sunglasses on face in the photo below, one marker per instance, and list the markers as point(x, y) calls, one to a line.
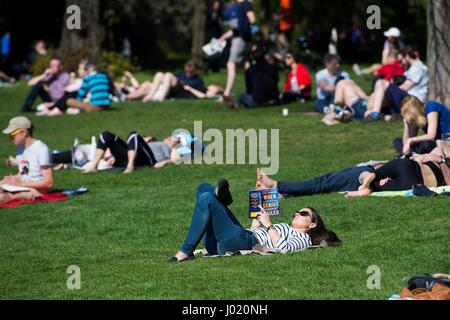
point(304, 214)
point(288, 58)
point(15, 133)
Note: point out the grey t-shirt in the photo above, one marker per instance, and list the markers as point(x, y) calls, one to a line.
point(160, 150)
point(326, 77)
point(32, 160)
point(418, 73)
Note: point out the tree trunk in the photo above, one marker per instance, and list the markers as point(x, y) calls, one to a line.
point(198, 32)
point(438, 12)
point(84, 43)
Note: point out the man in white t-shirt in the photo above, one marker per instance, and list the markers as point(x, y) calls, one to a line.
point(326, 81)
point(389, 96)
point(35, 164)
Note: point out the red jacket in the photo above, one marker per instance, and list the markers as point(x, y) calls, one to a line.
point(390, 71)
point(303, 78)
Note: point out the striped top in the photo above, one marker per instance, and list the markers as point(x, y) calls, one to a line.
point(97, 85)
point(290, 240)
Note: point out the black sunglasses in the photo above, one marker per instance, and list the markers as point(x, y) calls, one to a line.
point(305, 214)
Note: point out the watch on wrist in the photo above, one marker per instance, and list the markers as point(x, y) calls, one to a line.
point(271, 227)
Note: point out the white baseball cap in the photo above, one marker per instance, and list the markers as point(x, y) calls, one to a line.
point(18, 123)
point(393, 32)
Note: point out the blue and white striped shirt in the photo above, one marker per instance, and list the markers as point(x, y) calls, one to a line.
point(290, 239)
point(97, 85)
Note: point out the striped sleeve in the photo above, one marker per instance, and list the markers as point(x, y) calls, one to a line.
point(291, 240)
point(83, 91)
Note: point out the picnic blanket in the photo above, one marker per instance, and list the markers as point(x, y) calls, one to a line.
point(47, 198)
point(408, 193)
point(258, 249)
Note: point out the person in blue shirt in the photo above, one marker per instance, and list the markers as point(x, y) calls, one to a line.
point(432, 117)
point(95, 91)
point(175, 86)
point(240, 34)
point(5, 49)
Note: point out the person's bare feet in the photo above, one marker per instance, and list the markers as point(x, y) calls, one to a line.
point(263, 181)
point(128, 170)
point(90, 168)
point(363, 192)
point(181, 256)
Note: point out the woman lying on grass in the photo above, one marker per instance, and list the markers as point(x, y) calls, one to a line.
point(222, 232)
point(431, 170)
point(141, 152)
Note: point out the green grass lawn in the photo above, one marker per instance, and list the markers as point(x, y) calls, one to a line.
point(124, 230)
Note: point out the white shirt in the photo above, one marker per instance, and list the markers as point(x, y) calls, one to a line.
point(325, 76)
point(32, 160)
point(418, 73)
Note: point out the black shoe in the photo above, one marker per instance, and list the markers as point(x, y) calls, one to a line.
point(422, 191)
point(174, 260)
point(26, 110)
point(223, 193)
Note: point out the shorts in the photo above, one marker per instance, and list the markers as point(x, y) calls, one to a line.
point(360, 108)
point(237, 50)
point(178, 92)
point(395, 96)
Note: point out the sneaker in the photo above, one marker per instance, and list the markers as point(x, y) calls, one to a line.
point(357, 69)
point(73, 111)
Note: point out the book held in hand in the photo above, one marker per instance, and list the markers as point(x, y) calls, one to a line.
point(14, 189)
point(268, 199)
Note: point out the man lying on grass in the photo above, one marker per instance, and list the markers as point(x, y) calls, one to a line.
point(431, 170)
point(222, 232)
point(35, 165)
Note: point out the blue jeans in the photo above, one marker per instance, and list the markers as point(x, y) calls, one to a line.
point(247, 100)
point(346, 180)
point(322, 103)
point(216, 225)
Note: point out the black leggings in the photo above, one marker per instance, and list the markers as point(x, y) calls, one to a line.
point(119, 149)
point(61, 104)
point(404, 174)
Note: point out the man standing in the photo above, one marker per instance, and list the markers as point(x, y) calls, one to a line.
point(240, 34)
point(35, 164)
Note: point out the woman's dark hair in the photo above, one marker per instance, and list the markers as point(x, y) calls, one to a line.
point(412, 52)
point(295, 55)
point(321, 234)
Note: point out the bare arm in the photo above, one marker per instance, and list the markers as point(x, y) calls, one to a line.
point(433, 119)
point(34, 81)
point(251, 17)
point(324, 86)
point(227, 35)
point(264, 220)
point(197, 93)
point(42, 186)
point(408, 85)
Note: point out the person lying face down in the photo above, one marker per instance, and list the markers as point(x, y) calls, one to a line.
point(221, 232)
